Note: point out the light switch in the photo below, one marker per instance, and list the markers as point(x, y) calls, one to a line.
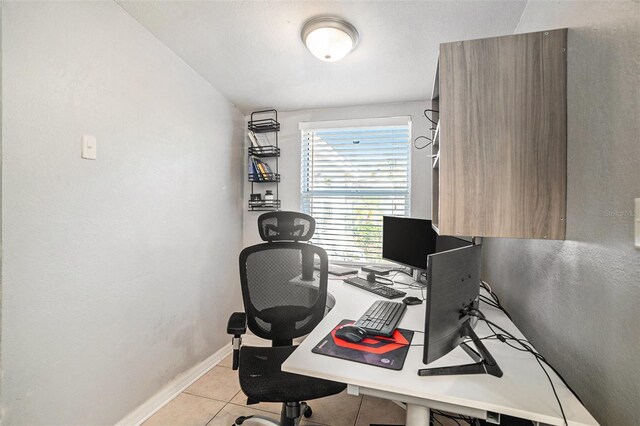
point(89, 147)
point(636, 219)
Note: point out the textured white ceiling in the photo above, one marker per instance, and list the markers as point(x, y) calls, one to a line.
point(251, 50)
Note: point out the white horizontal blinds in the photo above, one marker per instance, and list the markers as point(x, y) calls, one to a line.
point(351, 177)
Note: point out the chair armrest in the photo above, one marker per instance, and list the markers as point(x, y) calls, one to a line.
point(237, 324)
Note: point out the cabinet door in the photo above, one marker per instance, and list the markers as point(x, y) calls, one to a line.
point(503, 159)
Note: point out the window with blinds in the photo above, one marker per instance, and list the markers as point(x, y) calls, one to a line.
point(353, 173)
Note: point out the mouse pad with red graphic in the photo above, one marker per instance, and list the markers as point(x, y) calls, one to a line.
point(385, 352)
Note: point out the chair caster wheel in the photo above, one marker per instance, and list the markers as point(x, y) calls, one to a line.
point(308, 412)
point(241, 420)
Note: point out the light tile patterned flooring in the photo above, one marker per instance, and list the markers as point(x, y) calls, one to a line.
point(216, 399)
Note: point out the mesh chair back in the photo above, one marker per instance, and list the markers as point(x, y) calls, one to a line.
point(286, 226)
point(284, 284)
point(284, 295)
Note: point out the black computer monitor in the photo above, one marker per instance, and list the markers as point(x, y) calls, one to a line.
point(453, 287)
point(445, 243)
point(408, 241)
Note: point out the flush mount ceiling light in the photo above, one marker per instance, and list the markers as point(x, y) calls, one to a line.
point(329, 38)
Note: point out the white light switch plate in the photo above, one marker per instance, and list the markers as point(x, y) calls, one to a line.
point(89, 147)
point(637, 222)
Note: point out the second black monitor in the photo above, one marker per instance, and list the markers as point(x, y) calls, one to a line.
point(408, 241)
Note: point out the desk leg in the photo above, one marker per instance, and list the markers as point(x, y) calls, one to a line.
point(417, 415)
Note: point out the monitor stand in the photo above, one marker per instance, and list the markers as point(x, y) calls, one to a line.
point(484, 362)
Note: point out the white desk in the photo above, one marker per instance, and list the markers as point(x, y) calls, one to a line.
point(523, 391)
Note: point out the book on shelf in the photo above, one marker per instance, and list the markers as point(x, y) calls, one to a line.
point(262, 139)
point(252, 139)
point(259, 172)
point(258, 140)
point(264, 168)
point(261, 167)
point(254, 170)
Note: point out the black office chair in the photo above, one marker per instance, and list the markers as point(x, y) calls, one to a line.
point(284, 298)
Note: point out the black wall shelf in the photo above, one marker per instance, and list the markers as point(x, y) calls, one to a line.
point(264, 151)
point(264, 177)
point(266, 124)
point(264, 121)
point(263, 205)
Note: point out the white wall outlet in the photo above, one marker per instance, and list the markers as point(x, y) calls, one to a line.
point(89, 147)
point(636, 220)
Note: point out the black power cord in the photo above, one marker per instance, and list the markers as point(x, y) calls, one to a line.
point(525, 347)
point(494, 301)
point(455, 417)
point(497, 304)
point(415, 285)
point(433, 123)
point(423, 146)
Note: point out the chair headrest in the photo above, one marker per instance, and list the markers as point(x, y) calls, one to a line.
point(286, 226)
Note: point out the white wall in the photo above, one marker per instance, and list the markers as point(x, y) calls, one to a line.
point(577, 300)
point(289, 142)
point(120, 273)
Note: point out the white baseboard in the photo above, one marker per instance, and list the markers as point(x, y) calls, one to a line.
point(170, 391)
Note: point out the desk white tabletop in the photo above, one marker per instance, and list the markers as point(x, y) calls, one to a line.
point(523, 391)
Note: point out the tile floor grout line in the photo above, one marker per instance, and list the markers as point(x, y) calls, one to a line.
point(359, 408)
point(209, 398)
point(217, 412)
point(211, 419)
point(241, 406)
point(221, 410)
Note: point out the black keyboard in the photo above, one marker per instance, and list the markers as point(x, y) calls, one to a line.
point(375, 288)
point(382, 318)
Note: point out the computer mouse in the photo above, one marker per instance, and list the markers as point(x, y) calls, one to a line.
point(410, 300)
point(351, 333)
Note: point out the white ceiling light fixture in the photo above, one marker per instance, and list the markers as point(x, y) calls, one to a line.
point(329, 38)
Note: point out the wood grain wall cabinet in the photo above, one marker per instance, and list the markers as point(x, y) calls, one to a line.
point(500, 159)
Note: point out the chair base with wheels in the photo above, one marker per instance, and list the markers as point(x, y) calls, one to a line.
point(294, 410)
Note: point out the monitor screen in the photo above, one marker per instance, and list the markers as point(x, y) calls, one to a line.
point(407, 241)
point(453, 283)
